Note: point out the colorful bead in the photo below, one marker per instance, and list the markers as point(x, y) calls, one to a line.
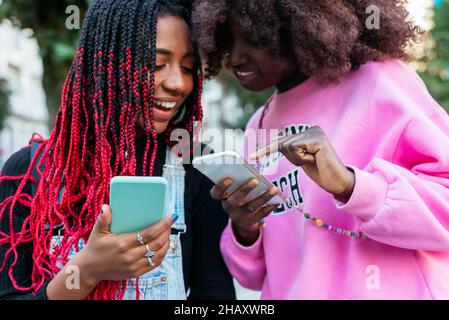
point(320, 223)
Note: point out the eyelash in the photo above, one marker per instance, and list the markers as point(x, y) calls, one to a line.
point(185, 69)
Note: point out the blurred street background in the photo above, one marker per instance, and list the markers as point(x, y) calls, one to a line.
point(36, 50)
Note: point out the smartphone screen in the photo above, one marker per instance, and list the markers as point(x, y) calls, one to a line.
point(219, 166)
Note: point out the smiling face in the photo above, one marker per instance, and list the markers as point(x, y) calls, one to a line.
point(254, 67)
point(175, 64)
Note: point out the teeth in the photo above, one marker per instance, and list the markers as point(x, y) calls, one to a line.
point(245, 74)
point(165, 104)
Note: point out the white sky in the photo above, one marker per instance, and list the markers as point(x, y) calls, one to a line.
point(420, 13)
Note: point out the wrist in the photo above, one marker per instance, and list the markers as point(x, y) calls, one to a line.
point(244, 236)
point(349, 184)
point(86, 267)
point(73, 282)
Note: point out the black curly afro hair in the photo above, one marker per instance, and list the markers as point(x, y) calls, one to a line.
point(327, 38)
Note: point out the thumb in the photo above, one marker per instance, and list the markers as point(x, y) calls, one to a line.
point(103, 221)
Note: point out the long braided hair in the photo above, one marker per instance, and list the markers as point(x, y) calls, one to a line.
point(110, 84)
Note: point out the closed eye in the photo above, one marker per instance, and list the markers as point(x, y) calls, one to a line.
point(188, 70)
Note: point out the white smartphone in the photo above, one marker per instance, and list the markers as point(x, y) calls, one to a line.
point(218, 166)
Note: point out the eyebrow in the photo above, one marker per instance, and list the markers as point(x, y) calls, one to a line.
point(167, 52)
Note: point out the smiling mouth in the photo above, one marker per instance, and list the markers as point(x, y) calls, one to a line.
point(165, 105)
point(245, 74)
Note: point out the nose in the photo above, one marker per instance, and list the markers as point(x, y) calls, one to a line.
point(236, 56)
point(174, 82)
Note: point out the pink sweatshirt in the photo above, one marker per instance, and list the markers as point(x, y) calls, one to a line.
point(382, 122)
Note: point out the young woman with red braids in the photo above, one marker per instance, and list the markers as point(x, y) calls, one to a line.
point(136, 77)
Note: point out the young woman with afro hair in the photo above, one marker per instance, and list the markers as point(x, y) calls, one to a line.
point(360, 154)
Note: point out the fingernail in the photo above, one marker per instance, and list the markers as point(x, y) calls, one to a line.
point(253, 183)
point(271, 207)
point(225, 195)
point(175, 217)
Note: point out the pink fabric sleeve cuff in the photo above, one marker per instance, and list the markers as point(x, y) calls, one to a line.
point(370, 191)
point(252, 252)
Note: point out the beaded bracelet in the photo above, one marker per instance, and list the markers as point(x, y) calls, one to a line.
point(321, 224)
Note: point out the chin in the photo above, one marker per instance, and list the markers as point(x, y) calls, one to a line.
point(255, 87)
point(160, 127)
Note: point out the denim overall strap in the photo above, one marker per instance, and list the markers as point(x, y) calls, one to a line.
point(176, 184)
point(166, 282)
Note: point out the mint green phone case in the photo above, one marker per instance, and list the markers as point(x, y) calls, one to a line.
point(136, 202)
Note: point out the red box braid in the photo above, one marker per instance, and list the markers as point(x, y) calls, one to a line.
point(110, 84)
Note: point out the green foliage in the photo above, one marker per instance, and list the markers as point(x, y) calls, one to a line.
point(57, 43)
point(4, 102)
point(437, 74)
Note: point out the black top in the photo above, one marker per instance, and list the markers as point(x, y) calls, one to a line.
point(204, 270)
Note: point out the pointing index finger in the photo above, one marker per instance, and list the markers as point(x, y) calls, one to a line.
point(270, 148)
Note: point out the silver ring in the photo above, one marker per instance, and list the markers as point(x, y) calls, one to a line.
point(149, 254)
point(250, 209)
point(139, 238)
point(150, 262)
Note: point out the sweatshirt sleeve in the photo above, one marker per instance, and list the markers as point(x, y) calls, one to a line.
point(246, 264)
point(404, 202)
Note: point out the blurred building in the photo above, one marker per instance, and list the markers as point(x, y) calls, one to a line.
point(21, 66)
point(221, 111)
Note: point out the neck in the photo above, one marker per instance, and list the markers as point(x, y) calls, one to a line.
point(296, 78)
